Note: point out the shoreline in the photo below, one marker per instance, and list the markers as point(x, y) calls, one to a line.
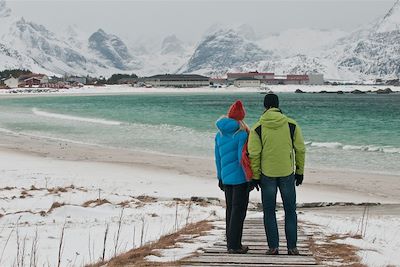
point(126, 89)
point(320, 185)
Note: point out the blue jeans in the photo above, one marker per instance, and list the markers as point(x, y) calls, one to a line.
point(287, 189)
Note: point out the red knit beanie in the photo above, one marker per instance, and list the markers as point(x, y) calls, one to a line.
point(237, 111)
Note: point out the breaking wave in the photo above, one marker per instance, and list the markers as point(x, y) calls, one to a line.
point(367, 148)
point(74, 118)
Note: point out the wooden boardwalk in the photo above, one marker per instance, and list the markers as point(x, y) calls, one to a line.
point(254, 237)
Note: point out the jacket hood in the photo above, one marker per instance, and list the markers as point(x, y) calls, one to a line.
point(273, 118)
point(227, 125)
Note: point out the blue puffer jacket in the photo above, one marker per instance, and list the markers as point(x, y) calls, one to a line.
point(229, 144)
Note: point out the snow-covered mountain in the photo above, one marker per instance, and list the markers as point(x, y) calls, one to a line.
point(35, 47)
point(112, 49)
point(369, 52)
point(223, 50)
point(172, 45)
point(4, 10)
point(373, 51)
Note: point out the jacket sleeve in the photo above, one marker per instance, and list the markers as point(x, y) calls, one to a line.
point(217, 158)
point(255, 149)
point(299, 149)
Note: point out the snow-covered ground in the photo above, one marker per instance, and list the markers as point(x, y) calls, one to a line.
point(376, 234)
point(41, 197)
point(147, 198)
point(116, 89)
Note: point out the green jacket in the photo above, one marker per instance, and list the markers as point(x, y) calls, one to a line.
point(274, 158)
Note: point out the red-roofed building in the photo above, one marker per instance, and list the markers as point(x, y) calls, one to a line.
point(296, 79)
point(33, 80)
point(271, 78)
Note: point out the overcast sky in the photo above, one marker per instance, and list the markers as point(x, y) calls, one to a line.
point(189, 19)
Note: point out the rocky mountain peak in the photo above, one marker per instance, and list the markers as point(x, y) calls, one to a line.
point(111, 48)
point(171, 45)
point(247, 32)
point(391, 21)
point(4, 10)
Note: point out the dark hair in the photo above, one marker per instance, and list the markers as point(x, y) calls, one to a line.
point(271, 101)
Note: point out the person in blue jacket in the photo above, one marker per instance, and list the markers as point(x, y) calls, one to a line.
point(229, 141)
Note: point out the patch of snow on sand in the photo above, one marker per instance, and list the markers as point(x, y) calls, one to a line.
point(380, 244)
point(27, 194)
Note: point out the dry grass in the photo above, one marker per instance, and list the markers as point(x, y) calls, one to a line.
point(7, 188)
point(34, 188)
point(24, 194)
point(147, 199)
point(54, 206)
point(59, 189)
point(124, 204)
point(136, 257)
point(95, 203)
point(327, 250)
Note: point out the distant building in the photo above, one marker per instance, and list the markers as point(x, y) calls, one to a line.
point(33, 80)
point(76, 79)
point(272, 78)
point(296, 79)
point(247, 82)
point(177, 80)
point(127, 81)
point(254, 74)
point(316, 79)
point(218, 81)
point(11, 82)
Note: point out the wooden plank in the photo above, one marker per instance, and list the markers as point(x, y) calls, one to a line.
point(254, 236)
point(249, 259)
point(220, 250)
point(255, 244)
point(260, 248)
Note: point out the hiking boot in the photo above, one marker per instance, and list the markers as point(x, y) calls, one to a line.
point(242, 250)
point(293, 251)
point(272, 251)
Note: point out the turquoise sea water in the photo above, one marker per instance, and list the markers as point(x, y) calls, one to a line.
point(359, 132)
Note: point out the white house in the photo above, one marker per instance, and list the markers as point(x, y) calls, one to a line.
point(247, 82)
point(315, 79)
point(11, 82)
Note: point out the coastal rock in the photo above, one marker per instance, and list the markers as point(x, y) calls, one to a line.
point(357, 92)
point(298, 91)
point(384, 91)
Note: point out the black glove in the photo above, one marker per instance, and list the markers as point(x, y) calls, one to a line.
point(254, 184)
point(299, 179)
point(220, 184)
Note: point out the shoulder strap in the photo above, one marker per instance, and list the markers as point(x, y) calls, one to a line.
point(258, 131)
point(292, 128)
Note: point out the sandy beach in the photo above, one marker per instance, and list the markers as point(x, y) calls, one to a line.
point(319, 186)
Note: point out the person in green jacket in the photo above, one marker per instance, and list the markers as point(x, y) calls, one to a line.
point(277, 153)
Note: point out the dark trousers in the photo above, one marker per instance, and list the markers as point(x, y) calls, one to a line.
point(237, 199)
point(287, 189)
